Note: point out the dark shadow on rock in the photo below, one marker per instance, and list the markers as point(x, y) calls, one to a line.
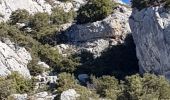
point(119, 60)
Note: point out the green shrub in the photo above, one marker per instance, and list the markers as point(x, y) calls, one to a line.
point(22, 85)
point(107, 87)
point(39, 20)
point(35, 69)
point(148, 87)
point(15, 83)
point(59, 16)
point(19, 16)
point(67, 81)
point(94, 10)
point(68, 65)
point(7, 88)
point(38, 51)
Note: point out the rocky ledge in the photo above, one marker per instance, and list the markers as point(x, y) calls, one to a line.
point(97, 36)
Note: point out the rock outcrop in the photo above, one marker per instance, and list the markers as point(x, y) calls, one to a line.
point(13, 58)
point(69, 95)
point(151, 33)
point(113, 26)
point(97, 36)
point(33, 6)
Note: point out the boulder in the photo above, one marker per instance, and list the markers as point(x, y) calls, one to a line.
point(83, 77)
point(19, 96)
point(69, 95)
point(151, 33)
point(43, 65)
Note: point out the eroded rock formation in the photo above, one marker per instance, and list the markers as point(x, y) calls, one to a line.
point(151, 33)
point(97, 36)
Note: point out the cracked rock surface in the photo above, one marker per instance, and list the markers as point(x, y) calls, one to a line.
point(13, 58)
point(151, 33)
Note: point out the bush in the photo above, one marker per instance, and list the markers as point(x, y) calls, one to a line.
point(6, 88)
point(19, 16)
point(59, 16)
point(67, 81)
point(107, 87)
point(35, 69)
point(148, 87)
point(15, 83)
point(94, 10)
point(39, 20)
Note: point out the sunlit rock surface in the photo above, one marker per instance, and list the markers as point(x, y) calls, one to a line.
point(151, 33)
point(13, 58)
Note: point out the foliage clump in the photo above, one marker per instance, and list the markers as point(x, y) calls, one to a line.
point(107, 87)
point(15, 83)
point(67, 81)
point(19, 16)
point(148, 87)
point(94, 10)
point(59, 16)
point(39, 20)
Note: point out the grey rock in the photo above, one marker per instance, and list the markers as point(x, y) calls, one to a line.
point(69, 95)
point(83, 77)
point(43, 65)
point(13, 58)
point(151, 33)
point(114, 25)
point(97, 36)
point(33, 6)
point(45, 79)
point(19, 96)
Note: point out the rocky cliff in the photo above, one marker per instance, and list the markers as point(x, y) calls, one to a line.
point(13, 58)
point(151, 33)
point(97, 36)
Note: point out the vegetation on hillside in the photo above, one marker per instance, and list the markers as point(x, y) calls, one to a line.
point(15, 83)
point(113, 74)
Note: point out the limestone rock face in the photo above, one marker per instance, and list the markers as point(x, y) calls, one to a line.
point(112, 26)
point(13, 58)
point(33, 6)
point(151, 33)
